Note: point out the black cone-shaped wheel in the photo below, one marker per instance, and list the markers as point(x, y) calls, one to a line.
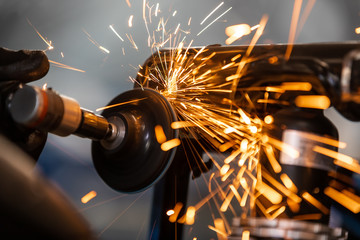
point(138, 161)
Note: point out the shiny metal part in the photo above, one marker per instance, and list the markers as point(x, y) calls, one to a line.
point(262, 228)
point(116, 135)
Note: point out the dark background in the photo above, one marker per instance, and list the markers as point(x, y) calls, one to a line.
point(67, 161)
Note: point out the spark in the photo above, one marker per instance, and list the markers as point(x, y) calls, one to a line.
point(310, 4)
point(235, 57)
point(120, 214)
point(278, 212)
point(292, 33)
point(177, 29)
point(85, 199)
point(130, 22)
point(62, 54)
point(271, 157)
point(132, 41)
point(214, 21)
point(268, 119)
point(92, 40)
point(273, 196)
point(116, 33)
point(61, 65)
point(313, 101)
point(159, 134)
point(288, 182)
point(119, 104)
point(156, 9)
point(245, 235)
point(189, 21)
point(211, 13)
point(313, 201)
point(336, 155)
point(284, 147)
point(104, 49)
point(170, 212)
point(166, 146)
point(344, 200)
point(311, 216)
point(174, 13)
point(176, 210)
point(128, 3)
point(236, 32)
point(357, 30)
point(217, 231)
point(219, 224)
point(50, 46)
point(190, 215)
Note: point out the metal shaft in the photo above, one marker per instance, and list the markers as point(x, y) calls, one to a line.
point(47, 110)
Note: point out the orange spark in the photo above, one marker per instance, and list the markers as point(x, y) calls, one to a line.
point(61, 65)
point(288, 182)
point(313, 201)
point(357, 30)
point(166, 146)
point(190, 215)
point(278, 212)
point(294, 22)
point(311, 216)
point(339, 156)
point(88, 197)
point(273, 196)
point(284, 147)
point(268, 119)
point(236, 32)
point(176, 210)
point(50, 46)
point(272, 160)
point(219, 225)
point(313, 101)
point(159, 134)
point(119, 104)
point(343, 199)
point(128, 3)
point(217, 231)
point(245, 235)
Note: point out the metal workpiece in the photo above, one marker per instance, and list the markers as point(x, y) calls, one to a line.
point(49, 111)
point(93, 126)
point(46, 110)
point(262, 228)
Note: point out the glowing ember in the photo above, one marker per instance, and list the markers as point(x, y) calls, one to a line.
point(313, 101)
point(170, 212)
point(159, 134)
point(85, 199)
point(166, 146)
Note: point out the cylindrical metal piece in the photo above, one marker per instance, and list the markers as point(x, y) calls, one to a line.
point(46, 110)
point(93, 126)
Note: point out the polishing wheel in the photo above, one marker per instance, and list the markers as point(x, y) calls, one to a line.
point(134, 160)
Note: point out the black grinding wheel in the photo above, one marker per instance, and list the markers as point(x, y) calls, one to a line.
point(138, 161)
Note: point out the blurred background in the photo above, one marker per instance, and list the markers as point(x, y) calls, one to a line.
point(67, 161)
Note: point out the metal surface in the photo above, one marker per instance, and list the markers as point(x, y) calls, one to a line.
point(138, 162)
point(262, 228)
